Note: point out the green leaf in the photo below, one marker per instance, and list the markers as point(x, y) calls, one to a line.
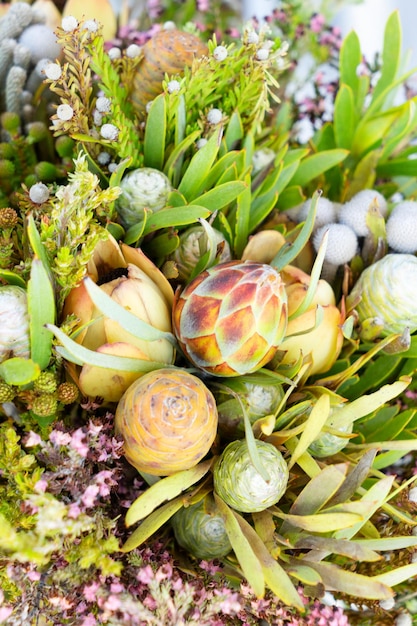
point(344, 118)
point(222, 195)
point(171, 217)
point(18, 371)
point(397, 167)
point(248, 561)
point(152, 523)
point(350, 549)
point(12, 279)
point(276, 577)
point(41, 306)
point(394, 542)
point(37, 245)
point(371, 131)
point(194, 178)
point(75, 353)
point(391, 54)
point(165, 489)
point(357, 585)
point(234, 132)
point(319, 490)
point(155, 132)
point(397, 575)
point(243, 209)
point(350, 59)
point(312, 427)
point(316, 164)
point(322, 522)
point(174, 163)
point(118, 313)
point(261, 207)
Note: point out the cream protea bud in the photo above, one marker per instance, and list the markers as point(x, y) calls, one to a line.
point(241, 486)
point(385, 291)
point(200, 529)
point(194, 242)
point(168, 419)
point(231, 318)
point(141, 188)
point(14, 322)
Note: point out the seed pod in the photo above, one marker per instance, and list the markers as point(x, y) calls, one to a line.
point(167, 52)
point(200, 529)
point(168, 419)
point(240, 485)
point(231, 318)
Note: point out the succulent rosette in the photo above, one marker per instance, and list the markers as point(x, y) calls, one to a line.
point(143, 188)
point(231, 318)
point(168, 420)
point(258, 395)
point(241, 486)
point(201, 530)
point(134, 282)
point(385, 294)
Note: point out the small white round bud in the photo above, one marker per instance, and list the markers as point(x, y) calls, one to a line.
point(69, 23)
point(262, 54)
point(65, 112)
point(173, 86)
point(220, 53)
point(91, 25)
point(103, 104)
point(52, 71)
point(109, 131)
point(214, 116)
point(103, 158)
point(115, 53)
point(39, 193)
point(252, 37)
point(201, 142)
point(133, 51)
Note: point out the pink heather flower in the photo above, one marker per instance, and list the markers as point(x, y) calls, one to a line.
point(203, 5)
point(58, 438)
point(78, 443)
point(90, 591)
point(317, 22)
point(89, 496)
point(93, 428)
point(145, 575)
point(41, 485)
point(163, 572)
point(112, 603)
point(89, 620)
point(5, 612)
point(116, 588)
point(33, 575)
point(33, 439)
point(104, 480)
point(74, 511)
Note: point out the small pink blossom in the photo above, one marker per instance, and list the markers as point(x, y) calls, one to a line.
point(58, 438)
point(90, 592)
point(41, 485)
point(33, 439)
point(78, 442)
point(33, 575)
point(116, 587)
point(89, 620)
point(145, 575)
point(74, 510)
point(5, 612)
point(112, 603)
point(317, 22)
point(89, 496)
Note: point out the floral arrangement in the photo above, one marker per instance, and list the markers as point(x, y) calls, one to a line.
point(207, 319)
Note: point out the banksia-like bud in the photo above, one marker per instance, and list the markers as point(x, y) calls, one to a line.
point(7, 392)
point(8, 218)
point(67, 393)
point(45, 405)
point(46, 382)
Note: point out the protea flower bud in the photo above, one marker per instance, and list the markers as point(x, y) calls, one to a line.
point(193, 244)
point(258, 395)
point(168, 419)
point(385, 292)
point(241, 486)
point(328, 443)
point(141, 188)
point(14, 323)
point(231, 318)
point(200, 529)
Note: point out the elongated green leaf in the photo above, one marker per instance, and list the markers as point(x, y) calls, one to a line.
point(357, 585)
point(37, 245)
point(180, 119)
point(391, 54)
point(316, 164)
point(370, 132)
point(12, 279)
point(194, 178)
point(19, 371)
point(75, 353)
point(397, 167)
point(174, 162)
point(165, 489)
point(350, 59)
point(319, 490)
point(404, 127)
point(155, 132)
point(248, 561)
point(261, 207)
point(395, 542)
point(322, 522)
point(118, 313)
point(344, 117)
point(152, 523)
point(397, 575)
point(234, 132)
point(222, 195)
point(41, 306)
point(243, 209)
point(276, 577)
point(312, 428)
point(171, 217)
point(350, 549)
point(354, 479)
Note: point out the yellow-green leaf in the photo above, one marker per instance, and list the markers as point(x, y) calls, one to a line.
point(152, 523)
point(165, 489)
point(357, 585)
point(312, 428)
point(41, 306)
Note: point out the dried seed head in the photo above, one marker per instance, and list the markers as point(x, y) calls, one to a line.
point(68, 393)
point(8, 218)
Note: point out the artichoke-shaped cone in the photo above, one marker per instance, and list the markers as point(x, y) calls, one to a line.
point(320, 342)
point(168, 420)
point(241, 486)
point(231, 318)
point(201, 530)
point(134, 282)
